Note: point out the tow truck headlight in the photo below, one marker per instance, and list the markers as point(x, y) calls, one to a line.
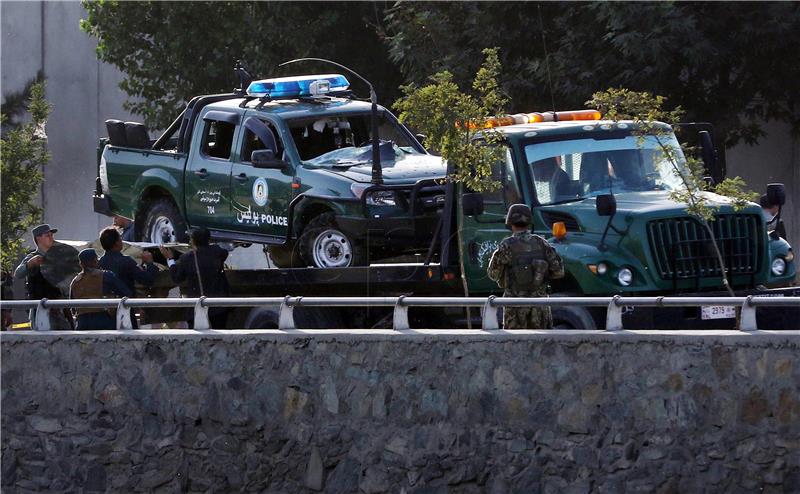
point(778, 266)
point(625, 276)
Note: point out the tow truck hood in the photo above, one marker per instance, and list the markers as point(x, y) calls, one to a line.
point(407, 170)
point(656, 202)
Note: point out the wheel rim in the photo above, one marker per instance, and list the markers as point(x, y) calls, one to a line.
point(162, 231)
point(332, 249)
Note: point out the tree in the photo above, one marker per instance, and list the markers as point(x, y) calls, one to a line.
point(450, 36)
point(723, 62)
point(647, 112)
point(24, 153)
point(450, 120)
point(173, 51)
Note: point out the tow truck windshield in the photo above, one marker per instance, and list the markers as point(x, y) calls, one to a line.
point(346, 139)
point(571, 170)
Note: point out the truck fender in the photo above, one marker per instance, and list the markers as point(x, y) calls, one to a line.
point(158, 179)
point(304, 207)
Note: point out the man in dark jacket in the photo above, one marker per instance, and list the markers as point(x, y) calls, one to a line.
point(95, 283)
point(124, 266)
point(209, 262)
point(36, 285)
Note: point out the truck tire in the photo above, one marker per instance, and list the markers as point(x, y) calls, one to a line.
point(304, 318)
point(323, 245)
point(284, 256)
point(163, 223)
point(573, 318)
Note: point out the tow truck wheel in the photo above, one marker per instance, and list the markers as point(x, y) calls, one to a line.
point(572, 318)
point(163, 223)
point(324, 245)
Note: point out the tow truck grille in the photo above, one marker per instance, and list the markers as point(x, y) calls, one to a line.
point(682, 247)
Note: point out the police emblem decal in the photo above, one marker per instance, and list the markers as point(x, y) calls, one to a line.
point(260, 191)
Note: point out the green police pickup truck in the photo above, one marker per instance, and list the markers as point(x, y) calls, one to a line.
point(289, 164)
point(286, 163)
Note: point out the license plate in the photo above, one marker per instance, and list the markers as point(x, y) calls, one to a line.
point(717, 312)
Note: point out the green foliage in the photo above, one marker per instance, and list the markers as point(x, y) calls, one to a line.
point(173, 51)
point(24, 153)
point(723, 62)
point(451, 120)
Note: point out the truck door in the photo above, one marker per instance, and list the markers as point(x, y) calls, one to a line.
point(484, 232)
point(207, 180)
point(261, 196)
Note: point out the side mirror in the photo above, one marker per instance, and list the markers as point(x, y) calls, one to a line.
point(606, 205)
point(709, 153)
point(776, 194)
point(472, 204)
point(421, 138)
point(265, 158)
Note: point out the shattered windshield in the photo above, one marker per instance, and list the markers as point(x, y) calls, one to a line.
point(347, 139)
point(571, 170)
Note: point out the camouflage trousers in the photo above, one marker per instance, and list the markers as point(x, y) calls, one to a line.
point(527, 317)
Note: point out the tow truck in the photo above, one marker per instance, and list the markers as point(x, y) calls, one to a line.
point(600, 194)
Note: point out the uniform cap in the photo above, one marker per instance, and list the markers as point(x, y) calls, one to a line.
point(42, 229)
point(518, 214)
point(87, 255)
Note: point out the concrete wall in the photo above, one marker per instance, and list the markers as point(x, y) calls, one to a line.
point(411, 412)
point(45, 36)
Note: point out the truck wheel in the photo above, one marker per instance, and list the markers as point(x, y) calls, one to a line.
point(323, 245)
point(573, 318)
point(284, 256)
point(163, 223)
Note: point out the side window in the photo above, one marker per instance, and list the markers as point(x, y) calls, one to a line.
point(218, 139)
point(253, 143)
point(503, 171)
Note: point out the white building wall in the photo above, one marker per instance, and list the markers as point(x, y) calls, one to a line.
point(83, 92)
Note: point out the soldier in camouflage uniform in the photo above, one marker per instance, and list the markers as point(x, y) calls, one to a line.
point(522, 265)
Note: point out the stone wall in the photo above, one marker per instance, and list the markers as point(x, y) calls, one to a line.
point(412, 412)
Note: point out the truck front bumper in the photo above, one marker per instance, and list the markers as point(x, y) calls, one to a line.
point(390, 233)
point(665, 318)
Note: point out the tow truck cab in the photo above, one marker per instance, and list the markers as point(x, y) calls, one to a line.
point(570, 168)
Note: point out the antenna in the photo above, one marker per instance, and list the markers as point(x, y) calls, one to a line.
point(377, 171)
point(547, 64)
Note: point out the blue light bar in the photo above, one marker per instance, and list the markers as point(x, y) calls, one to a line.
point(297, 86)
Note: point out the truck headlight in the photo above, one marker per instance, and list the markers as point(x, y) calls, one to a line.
point(625, 276)
point(778, 266)
point(381, 198)
point(376, 198)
